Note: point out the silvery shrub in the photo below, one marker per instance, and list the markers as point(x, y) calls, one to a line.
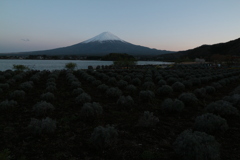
point(234, 100)
point(113, 92)
point(47, 96)
point(136, 81)
point(103, 137)
point(188, 98)
point(131, 89)
point(196, 146)
point(147, 120)
point(8, 105)
point(122, 84)
point(210, 124)
point(38, 127)
point(91, 110)
point(165, 90)
point(103, 87)
point(77, 91)
point(18, 94)
point(149, 85)
point(43, 108)
point(210, 89)
point(146, 95)
point(125, 101)
point(96, 82)
point(172, 106)
point(83, 98)
point(178, 87)
point(200, 92)
point(222, 108)
point(161, 82)
point(26, 86)
point(4, 86)
point(51, 88)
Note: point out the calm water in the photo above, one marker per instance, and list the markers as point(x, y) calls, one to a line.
point(60, 64)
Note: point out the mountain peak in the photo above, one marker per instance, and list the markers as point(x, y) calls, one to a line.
point(105, 36)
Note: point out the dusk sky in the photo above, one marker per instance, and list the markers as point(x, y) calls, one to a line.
point(30, 25)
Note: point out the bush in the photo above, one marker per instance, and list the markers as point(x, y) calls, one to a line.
point(83, 98)
point(114, 93)
point(210, 123)
point(75, 84)
point(38, 127)
point(112, 81)
point(47, 96)
point(171, 106)
point(77, 91)
point(236, 90)
point(222, 108)
point(188, 98)
point(43, 108)
point(70, 66)
point(216, 85)
point(148, 120)
point(136, 81)
point(197, 146)
point(103, 137)
point(51, 88)
point(187, 83)
point(26, 86)
point(146, 96)
point(91, 110)
point(234, 100)
point(161, 82)
point(125, 102)
point(196, 81)
point(96, 82)
point(4, 86)
point(50, 83)
point(210, 89)
point(2, 78)
point(148, 85)
point(131, 89)
point(127, 78)
point(17, 94)
point(172, 80)
point(178, 87)
point(122, 84)
point(165, 90)
point(200, 92)
point(20, 67)
point(8, 105)
point(148, 79)
point(103, 87)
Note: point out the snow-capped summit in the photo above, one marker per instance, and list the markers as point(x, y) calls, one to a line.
point(105, 36)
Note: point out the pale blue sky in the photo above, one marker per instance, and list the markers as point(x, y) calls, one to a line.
point(29, 25)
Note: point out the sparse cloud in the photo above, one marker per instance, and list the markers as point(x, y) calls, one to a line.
point(25, 40)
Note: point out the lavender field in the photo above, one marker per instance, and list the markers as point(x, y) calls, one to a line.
point(152, 113)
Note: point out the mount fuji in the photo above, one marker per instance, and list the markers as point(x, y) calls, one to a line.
point(101, 45)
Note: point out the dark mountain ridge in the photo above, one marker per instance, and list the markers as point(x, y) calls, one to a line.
point(231, 48)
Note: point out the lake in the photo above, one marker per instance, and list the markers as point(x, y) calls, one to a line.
point(6, 64)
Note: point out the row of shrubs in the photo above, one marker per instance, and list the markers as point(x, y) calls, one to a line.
point(162, 88)
point(191, 143)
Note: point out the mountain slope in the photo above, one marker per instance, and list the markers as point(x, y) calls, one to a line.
point(231, 48)
point(100, 45)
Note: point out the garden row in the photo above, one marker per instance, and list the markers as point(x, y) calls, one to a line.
point(149, 113)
